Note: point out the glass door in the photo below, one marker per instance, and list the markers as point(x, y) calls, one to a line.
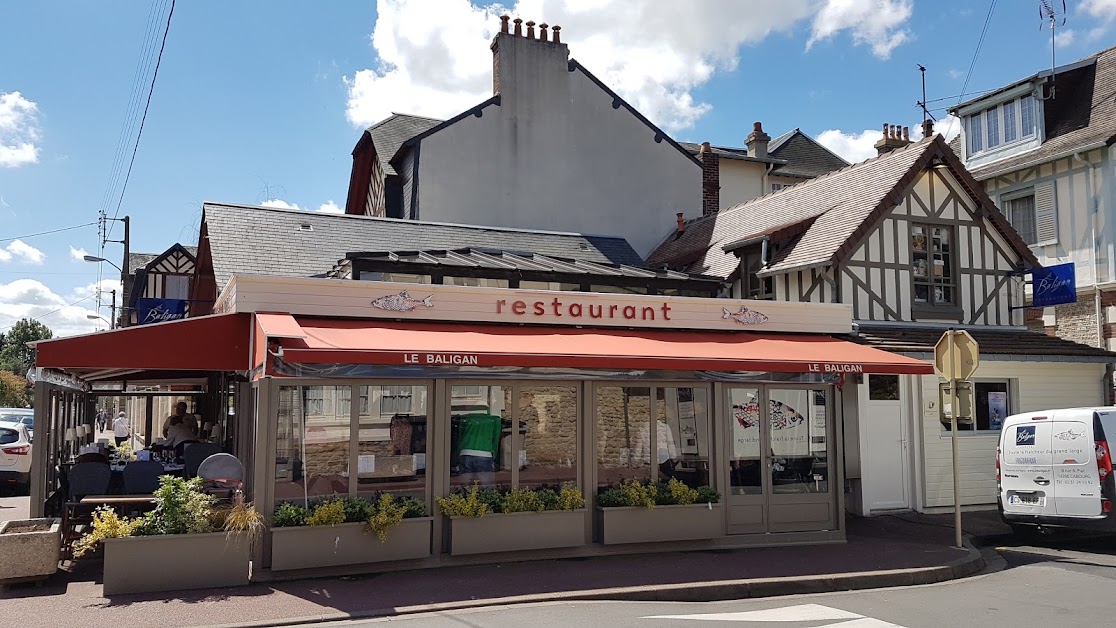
point(778, 459)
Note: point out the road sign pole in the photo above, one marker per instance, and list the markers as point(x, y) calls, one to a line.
point(953, 408)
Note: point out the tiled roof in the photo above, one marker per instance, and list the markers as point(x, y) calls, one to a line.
point(390, 133)
point(817, 220)
point(272, 241)
point(1083, 112)
point(1020, 344)
point(726, 152)
point(137, 261)
point(805, 157)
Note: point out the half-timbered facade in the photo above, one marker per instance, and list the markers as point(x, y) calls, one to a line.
point(165, 277)
point(912, 243)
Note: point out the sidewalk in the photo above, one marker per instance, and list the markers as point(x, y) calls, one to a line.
point(886, 551)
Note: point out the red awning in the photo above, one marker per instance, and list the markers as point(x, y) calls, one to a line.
point(378, 342)
point(205, 343)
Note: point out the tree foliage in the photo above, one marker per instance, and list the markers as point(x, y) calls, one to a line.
point(14, 392)
point(15, 355)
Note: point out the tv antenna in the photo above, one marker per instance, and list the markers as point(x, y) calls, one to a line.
point(1049, 13)
point(927, 126)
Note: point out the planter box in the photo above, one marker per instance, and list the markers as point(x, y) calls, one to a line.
point(306, 547)
point(29, 555)
point(517, 531)
point(662, 523)
point(146, 564)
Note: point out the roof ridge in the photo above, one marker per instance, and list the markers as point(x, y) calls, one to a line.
point(330, 215)
point(395, 114)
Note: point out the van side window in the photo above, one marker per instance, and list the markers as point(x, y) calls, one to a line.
point(991, 405)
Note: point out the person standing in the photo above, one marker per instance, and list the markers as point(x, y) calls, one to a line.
point(121, 430)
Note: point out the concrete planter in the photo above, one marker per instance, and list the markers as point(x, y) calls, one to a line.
point(662, 523)
point(306, 547)
point(146, 564)
point(517, 531)
point(26, 556)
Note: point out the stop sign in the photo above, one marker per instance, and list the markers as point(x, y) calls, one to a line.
point(963, 361)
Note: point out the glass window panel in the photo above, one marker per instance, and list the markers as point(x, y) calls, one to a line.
point(991, 404)
point(1027, 115)
point(484, 282)
point(480, 430)
point(391, 440)
point(312, 445)
point(1009, 121)
point(682, 435)
point(550, 285)
point(1021, 213)
point(623, 414)
point(992, 118)
point(176, 287)
point(883, 387)
point(746, 463)
point(976, 134)
point(548, 425)
point(618, 289)
point(799, 422)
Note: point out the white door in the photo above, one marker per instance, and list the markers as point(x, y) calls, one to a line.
point(1026, 466)
point(884, 460)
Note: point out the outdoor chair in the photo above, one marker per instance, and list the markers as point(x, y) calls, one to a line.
point(84, 478)
point(222, 474)
point(142, 477)
point(194, 454)
point(92, 457)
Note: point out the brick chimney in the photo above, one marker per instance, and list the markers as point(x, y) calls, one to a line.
point(894, 136)
point(710, 179)
point(519, 58)
point(757, 142)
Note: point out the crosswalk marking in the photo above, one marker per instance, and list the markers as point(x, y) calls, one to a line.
point(796, 613)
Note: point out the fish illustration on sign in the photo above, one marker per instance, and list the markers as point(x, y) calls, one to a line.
point(402, 302)
point(745, 316)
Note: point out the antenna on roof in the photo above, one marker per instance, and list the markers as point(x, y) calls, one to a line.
point(927, 126)
point(1049, 13)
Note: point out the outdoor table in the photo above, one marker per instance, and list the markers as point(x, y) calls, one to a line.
point(117, 500)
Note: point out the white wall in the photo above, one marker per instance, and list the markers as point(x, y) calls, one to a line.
point(1033, 386)
point(555, 154)
point(741, 181)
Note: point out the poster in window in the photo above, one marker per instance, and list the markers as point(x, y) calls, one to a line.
point(997, 409)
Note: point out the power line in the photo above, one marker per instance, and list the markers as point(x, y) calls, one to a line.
point(52, 312)
point(972, 64)
point(146, 107)
point(42, 233)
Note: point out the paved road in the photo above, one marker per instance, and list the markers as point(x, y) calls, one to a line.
point(1050, 583)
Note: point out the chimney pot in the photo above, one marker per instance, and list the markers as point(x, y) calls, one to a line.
point(758, 127)
point(530, 29)
point(885, 130)
point(518, 27)
point(681, 222)
point(557, 35)
point(504, 23)
point(705, 147)
point(542, 31)
point(927, 128)
point(906, 134)
point(757, 141)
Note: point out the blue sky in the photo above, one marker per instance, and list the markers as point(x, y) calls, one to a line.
point(263, 101)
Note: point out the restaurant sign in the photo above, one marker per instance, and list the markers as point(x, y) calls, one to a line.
point(446, 303)
point(1053, 285)
point(160, 310)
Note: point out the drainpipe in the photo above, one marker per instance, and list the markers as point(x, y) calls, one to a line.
point(765, 181)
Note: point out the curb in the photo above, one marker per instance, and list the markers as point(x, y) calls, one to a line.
point(712, 591)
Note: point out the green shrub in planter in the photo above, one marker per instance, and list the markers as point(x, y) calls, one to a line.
point(522, 500)
point(328, 513)
point(357, 509)
point(289, 515)
point(638, 494)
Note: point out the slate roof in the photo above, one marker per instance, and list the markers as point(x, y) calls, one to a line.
point(804, 156)
point(820, 219)
point(137, 261)
point(390, 133)
point(271, 241)
point(1020, 344)
point(1083, 112)
point(726, 152)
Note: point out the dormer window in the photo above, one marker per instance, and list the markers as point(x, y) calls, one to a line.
point(1001, 125)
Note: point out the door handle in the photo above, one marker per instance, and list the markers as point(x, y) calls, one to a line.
point(1042, 481)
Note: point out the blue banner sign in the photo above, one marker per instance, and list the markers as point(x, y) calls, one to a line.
point(1053, 285)
point(160, 310)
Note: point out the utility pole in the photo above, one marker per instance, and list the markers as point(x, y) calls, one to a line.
point(112, 323)
point(927, 125)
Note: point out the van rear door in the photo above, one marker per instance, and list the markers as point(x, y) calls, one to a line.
point(1076, 481)
point(1026, 467)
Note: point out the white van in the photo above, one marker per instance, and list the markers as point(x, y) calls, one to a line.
point(1054, 469)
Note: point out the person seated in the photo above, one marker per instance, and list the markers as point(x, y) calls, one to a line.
point(178, 432)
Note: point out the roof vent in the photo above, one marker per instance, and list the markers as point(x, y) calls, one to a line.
point(306, 227)
point(583, 246)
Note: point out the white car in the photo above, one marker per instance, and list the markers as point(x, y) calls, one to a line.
point(15, 456)
point(25, 416)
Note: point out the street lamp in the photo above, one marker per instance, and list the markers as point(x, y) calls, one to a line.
point(95, 259)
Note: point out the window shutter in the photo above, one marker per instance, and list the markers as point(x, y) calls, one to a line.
point(1046, 214)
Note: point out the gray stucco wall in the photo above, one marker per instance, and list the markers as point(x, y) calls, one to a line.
point(555, 154)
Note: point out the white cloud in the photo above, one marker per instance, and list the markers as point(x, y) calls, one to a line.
point(19, 130)
point(1064, 38)
point(438, 63)
point(1103, 14)
point(955, 74)
point(19, 250)
point(878, 23)
point(856, 147)
point(28, 298)
point(328, 207)
point(78, 254)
